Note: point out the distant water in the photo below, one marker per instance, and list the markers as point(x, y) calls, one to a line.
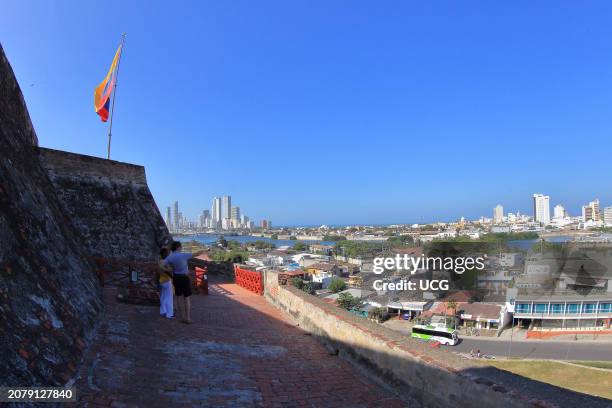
point(526, 244)
point(210, 239)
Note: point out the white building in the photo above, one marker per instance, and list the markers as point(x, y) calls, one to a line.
point(498, 214)
point(607, 216)
point(590, 212)
point(559, 212)
point(216, 212)
point(226, 207)
point(235, 214)
point(541, 208)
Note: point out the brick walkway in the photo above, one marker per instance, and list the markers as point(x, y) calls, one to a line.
point(240, 352)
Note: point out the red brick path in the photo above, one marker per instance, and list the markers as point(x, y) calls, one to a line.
point(240, 352)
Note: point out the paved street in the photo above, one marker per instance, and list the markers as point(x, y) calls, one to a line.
point(539, 349)
point(240, 352)
point(584, 349)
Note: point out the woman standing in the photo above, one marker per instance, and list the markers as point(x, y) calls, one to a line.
point(166, 301)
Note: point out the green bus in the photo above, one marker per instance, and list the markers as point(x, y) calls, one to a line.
point(441, 334)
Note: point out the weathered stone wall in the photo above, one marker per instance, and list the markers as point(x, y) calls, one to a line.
point(109, 203)
point(50, 297)
point(434, 378)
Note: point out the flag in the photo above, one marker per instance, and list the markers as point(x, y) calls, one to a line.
point(103, 92)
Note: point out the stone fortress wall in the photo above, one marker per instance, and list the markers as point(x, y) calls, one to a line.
point(59, 211)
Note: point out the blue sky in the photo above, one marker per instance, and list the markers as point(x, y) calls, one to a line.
point(332, 112)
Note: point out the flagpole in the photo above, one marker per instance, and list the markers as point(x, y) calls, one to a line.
point(110, 126)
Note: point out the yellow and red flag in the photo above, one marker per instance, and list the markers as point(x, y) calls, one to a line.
point(103, 92)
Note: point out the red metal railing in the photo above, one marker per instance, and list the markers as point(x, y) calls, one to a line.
point(201, 280)
point(250, 280)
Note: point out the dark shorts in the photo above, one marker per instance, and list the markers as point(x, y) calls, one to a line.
point(182, 285)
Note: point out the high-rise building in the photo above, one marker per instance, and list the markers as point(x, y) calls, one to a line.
point(264, 224)
point(607, 216)
point(216, 212)
point(498, 214)
point(176, 216)
point(559, 212)
point(590, 212)
point(205, 219)
point(168, 218)
point(541, 208)
point(226, 207)
point(236, 213)
point(244, 220)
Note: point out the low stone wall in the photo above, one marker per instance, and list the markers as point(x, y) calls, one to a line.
point(433, 377)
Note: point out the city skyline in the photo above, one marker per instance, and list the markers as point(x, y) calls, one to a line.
point(541, 213)
point(294, 137)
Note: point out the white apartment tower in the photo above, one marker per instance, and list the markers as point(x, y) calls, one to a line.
point(236, 213)
point(226, 207)
point(216, 212)
point(498, 214)
point(541, 208)
point(559, 212)
point(607, 216)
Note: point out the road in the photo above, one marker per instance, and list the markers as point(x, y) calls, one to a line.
point(539, 349)
point(596, 350)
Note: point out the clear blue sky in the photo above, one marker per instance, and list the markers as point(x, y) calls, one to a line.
point(334, 111)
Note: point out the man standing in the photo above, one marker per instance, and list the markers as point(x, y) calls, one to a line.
point(182, 284)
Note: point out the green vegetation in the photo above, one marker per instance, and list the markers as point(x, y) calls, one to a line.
point(297, 282)
point(496, 237)
point(356, 249)
point(348, 301)
point(379, 314)
point(580, 379)
point(604, 229)
point(274, 236)
point(300, 246)
point(511, 236)
point(331, 237)
point(545, 246)
point(302, 285)
point(236, 256)
point(401, 241)
point(262, 245)
point(337, 285)
point(597, 364)
point(292, 238)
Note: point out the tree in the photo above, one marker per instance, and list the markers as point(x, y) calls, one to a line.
point(300, 246)
point(274, 236)
point(379, 314)
point(401, 240)
point(337, 285)
point(348, 301)
point(222, 242)
point(297, 282)
point(332, 237)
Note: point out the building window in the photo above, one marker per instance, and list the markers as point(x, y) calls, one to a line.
point(573, 307)
point(540, 308)
point(588, 308)
point(523, 307)
point(556, 308)
point(605, 307)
